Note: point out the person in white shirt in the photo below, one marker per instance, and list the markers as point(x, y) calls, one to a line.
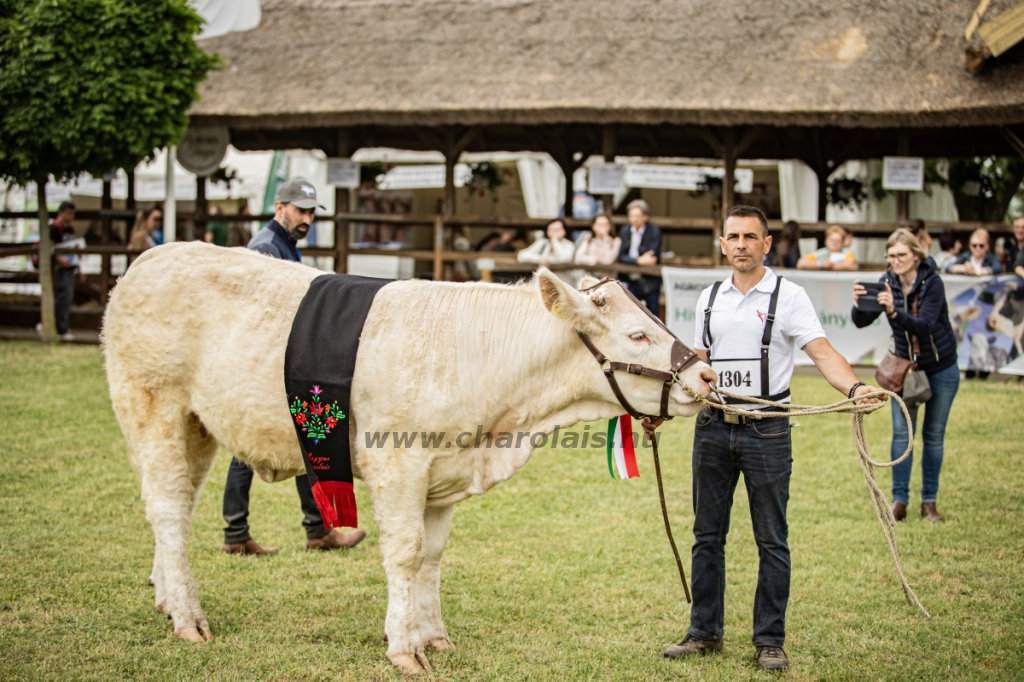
point(755, 322)
point(554, 249)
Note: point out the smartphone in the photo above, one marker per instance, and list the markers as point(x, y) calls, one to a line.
point(869, 302)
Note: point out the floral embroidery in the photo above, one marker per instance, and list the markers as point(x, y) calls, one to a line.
point(316, 418)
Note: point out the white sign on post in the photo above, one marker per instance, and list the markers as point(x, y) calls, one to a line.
point(905, 173)
point(343, 173)
point(606, 178)
point(657, 176)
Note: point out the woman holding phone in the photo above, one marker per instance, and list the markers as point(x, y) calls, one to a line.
point(909, 279)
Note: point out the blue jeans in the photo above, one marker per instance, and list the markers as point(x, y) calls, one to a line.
point(944, 385)
point(762, 452)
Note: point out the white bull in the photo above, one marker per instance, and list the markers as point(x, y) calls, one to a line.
point(194, 339)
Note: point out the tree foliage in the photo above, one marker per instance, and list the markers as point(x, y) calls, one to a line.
point(93, 85)
point(984, 186)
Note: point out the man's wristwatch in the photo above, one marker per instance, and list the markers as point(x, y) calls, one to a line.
point(853, 389)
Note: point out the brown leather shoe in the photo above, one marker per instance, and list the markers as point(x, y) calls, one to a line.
point(929, 511)
point(247, 547)
point(691, 645)
point(337, 540)
point(899, 511)
point(771, 658)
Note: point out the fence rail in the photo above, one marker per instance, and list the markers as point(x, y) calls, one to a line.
point(440, 256)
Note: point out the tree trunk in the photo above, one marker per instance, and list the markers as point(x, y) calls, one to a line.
point(46, 309)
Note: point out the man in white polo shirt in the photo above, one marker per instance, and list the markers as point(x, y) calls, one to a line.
point(748, 328)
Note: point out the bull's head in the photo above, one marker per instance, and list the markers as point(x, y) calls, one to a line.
point(624, 332)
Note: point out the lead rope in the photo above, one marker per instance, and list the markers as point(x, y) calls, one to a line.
point(883, 512)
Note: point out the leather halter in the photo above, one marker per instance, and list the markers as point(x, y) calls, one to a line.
point(682, 357)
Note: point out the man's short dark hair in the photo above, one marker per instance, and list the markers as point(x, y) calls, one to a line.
point(948, 239)
point(66, 206)
point(749, 212)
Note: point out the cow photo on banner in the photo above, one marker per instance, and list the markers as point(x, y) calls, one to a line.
point(988, 320)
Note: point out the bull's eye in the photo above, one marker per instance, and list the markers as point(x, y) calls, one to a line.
point(638, 336)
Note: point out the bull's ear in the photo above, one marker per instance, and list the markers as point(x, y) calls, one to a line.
point(563, 301)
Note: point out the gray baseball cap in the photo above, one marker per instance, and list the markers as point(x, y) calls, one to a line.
point(299, 192)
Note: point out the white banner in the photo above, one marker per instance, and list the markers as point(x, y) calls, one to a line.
point(664, 176)
point(423, 176)
point(343, 173)
point(903, 173)
point(832, 296)
point(606, 178)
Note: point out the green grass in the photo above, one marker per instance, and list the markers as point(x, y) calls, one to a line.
point(559, 574)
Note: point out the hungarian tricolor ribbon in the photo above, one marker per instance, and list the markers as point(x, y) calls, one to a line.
point(621, 453)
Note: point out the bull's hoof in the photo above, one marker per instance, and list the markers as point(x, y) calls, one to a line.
point(199, 633)
point(410, 664)
point(439, 644)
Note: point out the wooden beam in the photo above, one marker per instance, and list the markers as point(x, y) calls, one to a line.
point(106, 203)
point(341, 206)
point(902, 197)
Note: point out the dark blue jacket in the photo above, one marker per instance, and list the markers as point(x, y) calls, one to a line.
point(275, 241)
point(650, 240)
point(931, 326)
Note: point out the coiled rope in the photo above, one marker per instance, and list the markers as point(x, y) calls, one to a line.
point(851, 406)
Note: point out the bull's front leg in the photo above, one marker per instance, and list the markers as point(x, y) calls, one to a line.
point(437, 521)
point(399, 493)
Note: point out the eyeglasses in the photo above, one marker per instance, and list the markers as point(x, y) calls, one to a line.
point(898, 256)
point(979, 246)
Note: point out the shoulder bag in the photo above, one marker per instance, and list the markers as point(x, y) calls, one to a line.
point(901, 375)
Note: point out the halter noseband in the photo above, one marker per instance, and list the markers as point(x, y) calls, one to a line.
point(682, 357)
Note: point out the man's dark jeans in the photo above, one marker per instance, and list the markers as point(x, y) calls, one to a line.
point(762, 452)
point(63, 297)
point(647, 291)
point(236, 505)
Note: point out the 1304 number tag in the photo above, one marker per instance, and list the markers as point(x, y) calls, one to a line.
point(739, 376)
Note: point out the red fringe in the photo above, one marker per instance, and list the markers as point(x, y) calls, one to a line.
point(337, 504)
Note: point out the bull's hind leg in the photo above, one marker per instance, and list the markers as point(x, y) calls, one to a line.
point(399, 500)
point(175, 455)
point(436, 523)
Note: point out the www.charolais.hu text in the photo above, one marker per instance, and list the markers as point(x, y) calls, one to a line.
point(558, 438)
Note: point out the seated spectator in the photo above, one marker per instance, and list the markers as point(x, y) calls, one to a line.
point(148, 225)
point(548, 251)
point(641, 245)
point(1014, 249)
point(497, 241)
point(239, 234)
point(601, 248)
point(216, 230)
point(920, 231)
point(950, 246)
point(833, 256)
point(979, 261)
point(785, 251)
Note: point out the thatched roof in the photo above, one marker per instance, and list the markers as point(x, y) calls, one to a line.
point(888, 63)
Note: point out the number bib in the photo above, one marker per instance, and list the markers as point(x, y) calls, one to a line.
point(739, 376)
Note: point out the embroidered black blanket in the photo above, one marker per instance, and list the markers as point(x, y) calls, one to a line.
point(318, 367)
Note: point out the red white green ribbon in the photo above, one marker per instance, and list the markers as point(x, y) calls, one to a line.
point(621, 455)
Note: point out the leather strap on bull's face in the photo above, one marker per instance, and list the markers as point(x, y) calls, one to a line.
point(682, 356)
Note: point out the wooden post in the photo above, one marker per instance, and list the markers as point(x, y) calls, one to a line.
point(199, 214)
point(728, 192)
point(106, 204)
point(608, 152)
point(46, 301)
point(902, 197)
point(341, 205)
point(438, 248)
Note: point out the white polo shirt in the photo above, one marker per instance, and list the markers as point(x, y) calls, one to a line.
point(737, 325)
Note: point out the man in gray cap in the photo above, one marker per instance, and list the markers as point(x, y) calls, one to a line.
point(294, 206)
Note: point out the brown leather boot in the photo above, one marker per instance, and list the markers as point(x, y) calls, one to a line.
point(337, 540)
point(247, 547)
point(691, 645)
point(899, 511)
point(929, 511)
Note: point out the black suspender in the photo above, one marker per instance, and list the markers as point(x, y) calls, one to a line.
point(707, 318)
point(766, 337)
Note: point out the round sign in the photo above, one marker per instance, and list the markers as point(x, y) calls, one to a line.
point(202, 150)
